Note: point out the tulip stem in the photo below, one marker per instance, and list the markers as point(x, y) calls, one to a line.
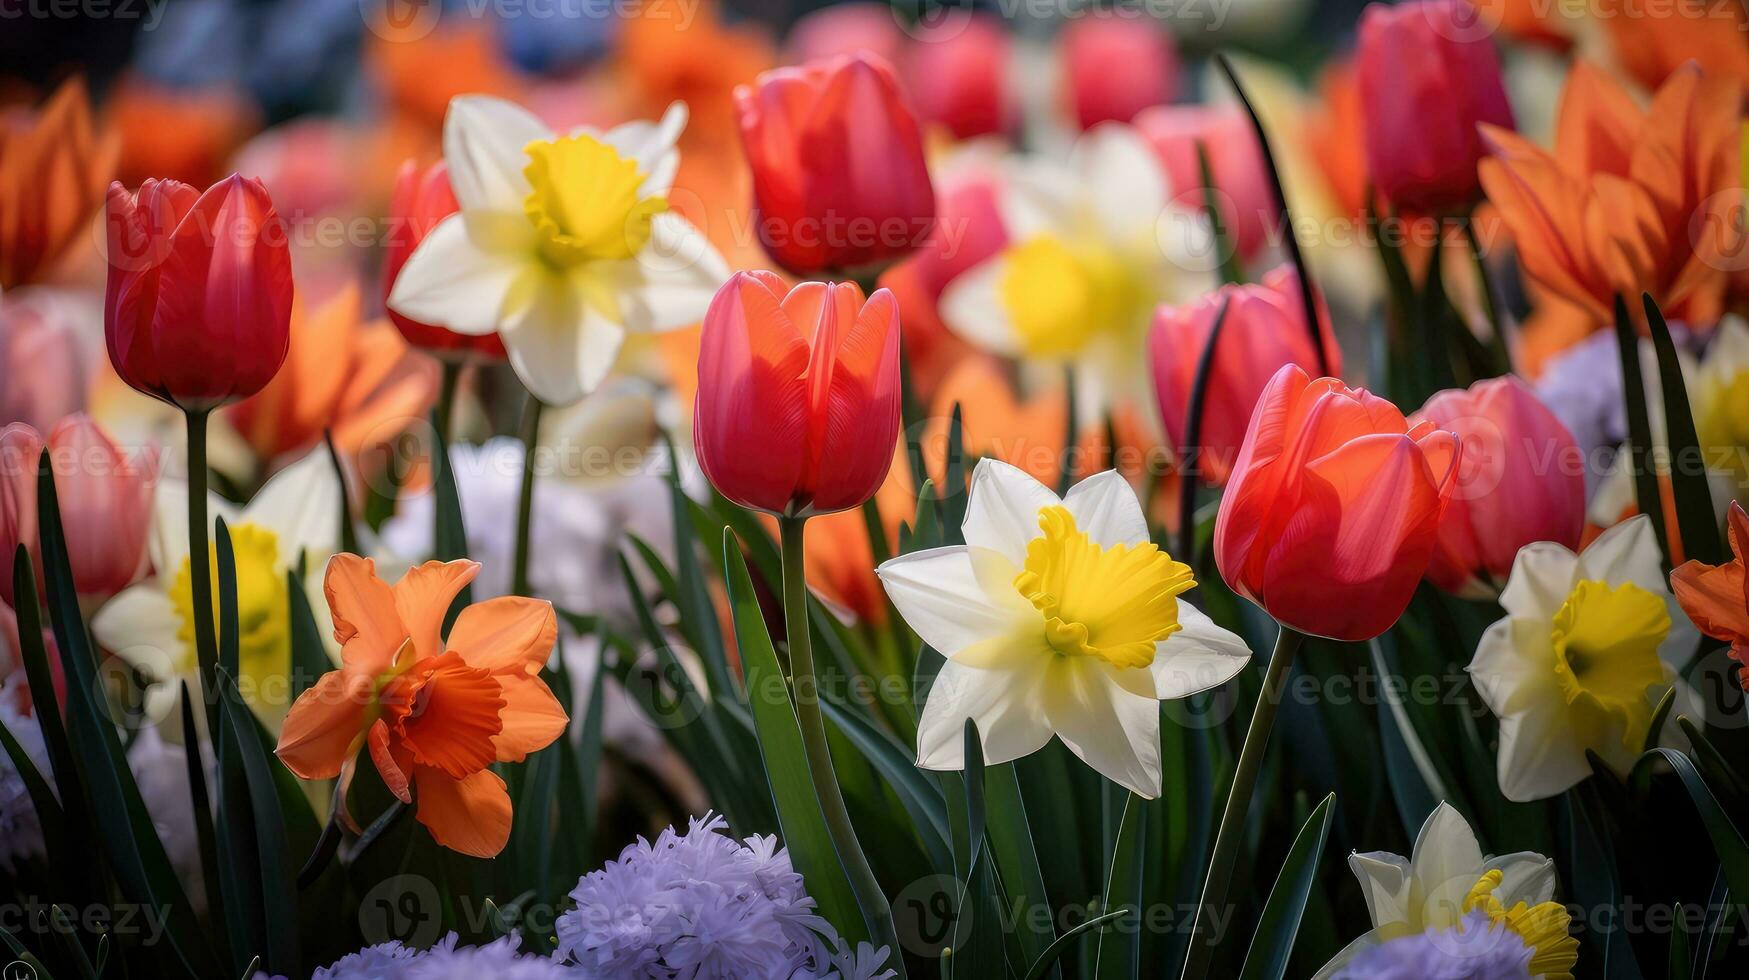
point(869, 897)
point(525, 499)
point(206, 644)
point(1214, 887)
point(446, 388)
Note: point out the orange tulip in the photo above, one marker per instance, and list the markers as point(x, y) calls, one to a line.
point(53, 169)
point(1632, 200)
point(665, 57)
point(357, 378)
point(174, 134)
point(797, 409)
point(994, 423)
point(435, 716)
point(1716, 597)
point(1333, 508)
point(418, 76)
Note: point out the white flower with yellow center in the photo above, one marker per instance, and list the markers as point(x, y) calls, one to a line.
point(1093, 248)
point(293, 523)
point(1057, 617)
point(1447, 879)
point(1588, 647)
point(563, 243)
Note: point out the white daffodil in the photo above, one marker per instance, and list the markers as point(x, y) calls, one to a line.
point(562, 244)
point(1094, 247)
point(1588, 647)
point(1057, 617)
point(1448, 879)
point(293, 523)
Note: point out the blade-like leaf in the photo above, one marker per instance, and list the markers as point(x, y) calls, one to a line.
point(1120, 953)
point(1697, 527)
point(1273, 941)
point(1638, 448)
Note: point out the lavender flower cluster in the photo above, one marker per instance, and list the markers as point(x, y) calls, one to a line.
point(1477, 950)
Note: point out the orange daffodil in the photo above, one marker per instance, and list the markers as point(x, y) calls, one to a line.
point(435, 713)
point(1716, 596)
point(563, 244)
point(1057, 617)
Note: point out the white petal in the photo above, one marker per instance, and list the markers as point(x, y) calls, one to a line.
point(1543, 575)
point(1198, 657)
point(1627, 552)
point(1005, 703)
point(1002, 510)
point(670, 283)
point(450, 281)
point(972, 306)
point(560, 347)
point(938, 594)
point(1540, 755)
point(168, 542)
point(141, 626)
point(1526, 877)
point(1115, 731)
point(1384, 883)
point(483, 141)
point(1513, 668)
point(301, 505)
point(1105, 508)
point(652, 146)
point(1125, 184)
point(1445, 866)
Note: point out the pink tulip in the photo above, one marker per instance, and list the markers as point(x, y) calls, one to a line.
point(798, 394)
point(1265, 328)
point(846, 29)
point(1428, 76)
point(960, 78)
point(20, 448)
point(1522, 480)
point(106, 505)
point(42, 366)
point(1247, 201)
point(1116, 66)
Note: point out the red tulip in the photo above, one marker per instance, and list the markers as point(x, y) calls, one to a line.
point(198, 311)
point(839, 180)
point(961, 78)
point(1265, 328)
point(1522, 480)
point(1428, 76)
point(1333, 508)
point(798, 395)
point(1116, 66)
point(106, 505)
point(421, 199)
point(1235, 161)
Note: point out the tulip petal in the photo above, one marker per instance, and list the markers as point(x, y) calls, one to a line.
point(470, 815)
point(483, 140)
point(322, 725)
point(509, 634)
point(532, 718)
point(860, 419)
point(451, 282)
point(1199, 657)
point(938, 593)
point(422, 599)
point(1106, 509)
point(1006, 704)
point(1114, 730)
point(1002, 511)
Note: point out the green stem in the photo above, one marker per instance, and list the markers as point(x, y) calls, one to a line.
point(446, 389)
point(206, 643)
point(1485, 279)
point(525, 500)
point(1214, 887)
point(869, 898)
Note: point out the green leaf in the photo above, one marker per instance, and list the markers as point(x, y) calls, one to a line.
point(309, 656)
point(920, 798)
point(449, 537)
point(1011, 847)
point(1728, 843)
point(1638, 448)
point(1697, 527)
point(1273, 942)
point(785, 761)
point(1232, 269)
point(1191, 449)
point(1120, 954)
point(1055, 951)
point(348, 534)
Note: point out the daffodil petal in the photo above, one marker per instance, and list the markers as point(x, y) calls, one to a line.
point(1002, 512)
point(1198, 657)
point(483, 140)
point(449, 281)
point(1106, 508)
point(1006, 704)
point(938, 593)
point(1115, 731)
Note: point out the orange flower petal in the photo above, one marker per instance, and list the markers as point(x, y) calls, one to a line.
point(532, 717)
point(392, 769)
point(422, 598)
point(453, 718)
point(509, 634)
point(365, 622)
point(321, 726)
point(469, 815)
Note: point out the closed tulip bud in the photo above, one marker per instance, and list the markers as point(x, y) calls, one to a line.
point(962, 77)
point(1116, 66)
point(839, 180)
point(106, 506)
point(20, 449)
point(421, 199)
point(198, 310)
point(798, 395)
point(1332, 511)
point(1428, 76)
point(1522, 480)
point(1265, 328)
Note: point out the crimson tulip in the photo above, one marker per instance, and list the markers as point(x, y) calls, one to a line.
point(1264, 329)
point(839, 179)
point(1116, 66)
point(797, 410)
point(1332, 511)
point(961, 76)
point(422, 198)
point(198, 311)
point(1428, 76)
point(1522, 480)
